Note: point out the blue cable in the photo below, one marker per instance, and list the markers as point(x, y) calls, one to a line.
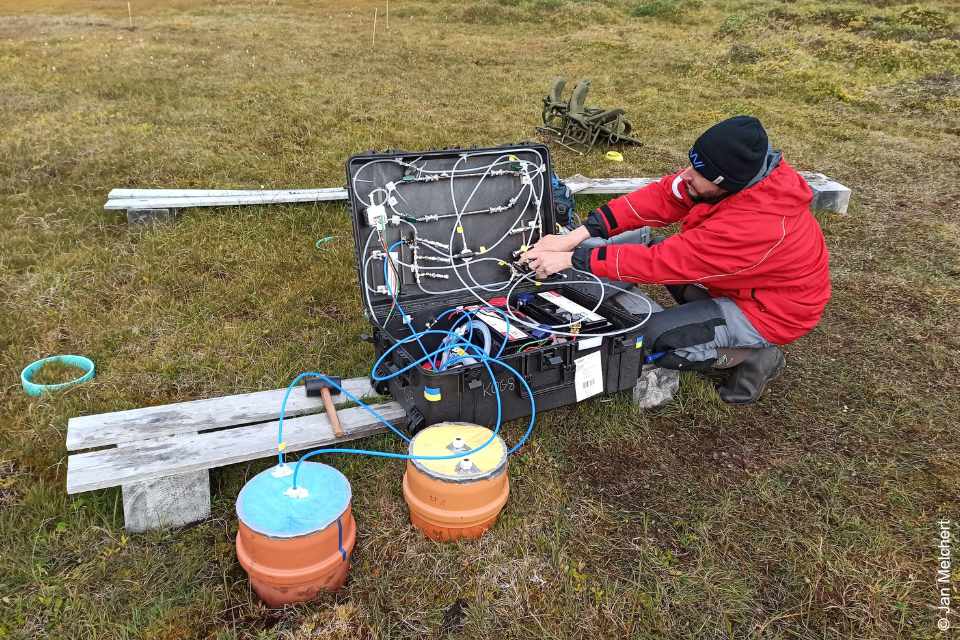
point(350, 396)
point(506, 319)
point(484, 358)
point(401, 456)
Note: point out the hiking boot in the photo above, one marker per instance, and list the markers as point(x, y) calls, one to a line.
point(748, 379)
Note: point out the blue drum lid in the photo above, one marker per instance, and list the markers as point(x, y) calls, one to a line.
point(265, 506)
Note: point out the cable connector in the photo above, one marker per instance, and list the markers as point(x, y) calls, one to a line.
point(281, 471)
point(382, 290)
point(435, 276)
point(297, 492)
point(376, 215)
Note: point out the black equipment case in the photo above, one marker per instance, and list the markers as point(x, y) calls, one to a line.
point(408, 197)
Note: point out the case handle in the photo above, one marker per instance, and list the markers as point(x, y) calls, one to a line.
point(537, 391)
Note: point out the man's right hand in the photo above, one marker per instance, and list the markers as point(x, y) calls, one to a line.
point(567, 242)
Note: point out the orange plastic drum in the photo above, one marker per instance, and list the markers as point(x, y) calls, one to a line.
point(295, 543)
point(459, 497)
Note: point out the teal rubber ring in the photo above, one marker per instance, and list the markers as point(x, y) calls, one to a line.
point(34, 389)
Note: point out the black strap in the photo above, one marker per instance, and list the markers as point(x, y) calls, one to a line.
point(611, 220)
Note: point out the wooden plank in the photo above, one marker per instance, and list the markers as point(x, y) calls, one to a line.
point(582, 184)
point(156, 198)
point(132, 425)
point(139, 194)
point(322, 195)
point(123, 465)
point(829, 194)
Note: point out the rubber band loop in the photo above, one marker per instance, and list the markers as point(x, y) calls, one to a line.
point(35, 389)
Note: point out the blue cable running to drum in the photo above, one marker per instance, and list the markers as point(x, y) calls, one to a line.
point(458, 341)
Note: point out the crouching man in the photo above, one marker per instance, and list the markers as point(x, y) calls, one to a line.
point(749, 269)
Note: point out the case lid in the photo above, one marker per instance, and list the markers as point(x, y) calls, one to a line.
point(480, 205)
point(265, 505)
point(447, 438)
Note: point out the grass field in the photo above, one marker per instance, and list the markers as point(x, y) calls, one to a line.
point(810, 515)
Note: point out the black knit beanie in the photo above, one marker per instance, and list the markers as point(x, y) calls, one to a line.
point(731, 153)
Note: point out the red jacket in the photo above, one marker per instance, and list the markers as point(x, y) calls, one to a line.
point(760, 247)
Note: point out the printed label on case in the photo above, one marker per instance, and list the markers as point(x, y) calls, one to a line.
point(589, 377)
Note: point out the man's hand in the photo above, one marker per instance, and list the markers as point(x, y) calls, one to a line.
point(546, 263)
point(567, 242)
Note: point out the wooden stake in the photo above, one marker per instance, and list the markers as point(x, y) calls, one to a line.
point(374, 44)
point(130, 15)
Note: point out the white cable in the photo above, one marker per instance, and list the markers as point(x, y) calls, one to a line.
point(518, 320)
point(513, 282)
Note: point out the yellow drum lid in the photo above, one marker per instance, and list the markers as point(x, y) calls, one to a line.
point(447, 438)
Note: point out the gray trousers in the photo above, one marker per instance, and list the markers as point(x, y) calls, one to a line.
point(689, 334)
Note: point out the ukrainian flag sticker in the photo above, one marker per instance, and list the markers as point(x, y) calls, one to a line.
point(639, 343)
point(432, 394)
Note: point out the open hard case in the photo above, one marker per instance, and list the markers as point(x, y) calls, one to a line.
point(442, 230)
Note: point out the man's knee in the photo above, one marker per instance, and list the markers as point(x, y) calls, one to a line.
point(682, 326)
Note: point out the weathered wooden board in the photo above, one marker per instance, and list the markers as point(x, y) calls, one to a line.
point(829, 195)
point(134, 425)
point(582, 184)
point(124, 465)
point(182, 202)
point(139, 194)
